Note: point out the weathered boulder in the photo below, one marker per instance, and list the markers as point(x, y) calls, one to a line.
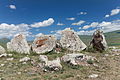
point(2, 50)
point(19, 44)
point(71, 41)
point(53, 65)
point(44, 43)
point(98, 41)
point(77, 59)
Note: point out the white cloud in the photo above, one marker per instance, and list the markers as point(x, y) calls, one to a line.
point(70, 18)
point(9, 30)
point(105, 26)
point(12, 6)
point(78, 23)
point(93, 24)
point(107, 15)
point(79, 28)
point(110, 26)
point(82, 13)
point(39, 34)
point(113, 12)
point(45, 23)
point(60, 24)
point(83, 32)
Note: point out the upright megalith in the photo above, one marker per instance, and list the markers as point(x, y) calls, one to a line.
point(71, 41)
point(18, 44)
point(44, 43)
point(98, 41)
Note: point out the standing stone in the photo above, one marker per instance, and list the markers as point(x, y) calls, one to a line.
point(71, 41)
point(19, 44)
point(44, 43)
point(2, 50)
point(98, 41)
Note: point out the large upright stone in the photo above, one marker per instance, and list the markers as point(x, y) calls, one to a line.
point(44, 43)
point(18, 44)
point(71, 40)
point(98, 41)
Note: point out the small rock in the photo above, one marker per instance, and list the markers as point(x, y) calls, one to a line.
point(3, 55)
point(10, 59)
point(24, 63)
point(93, 76)
point(10, 55)
point(25, 59)
point(19, 73)
point(2, 65)
point(53, 65)
point(106, 55)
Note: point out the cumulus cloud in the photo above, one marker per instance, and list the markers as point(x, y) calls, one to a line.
point(93, 24)
point(39, 34)
point(45, 23)
point(12, 6)
point(78, 23)
point(83, 32)
point(9, 30)
point(113, 12)
point(105, 26)
point(70, 18)
point(82, 13)
point(107, 15)
point(60, 24)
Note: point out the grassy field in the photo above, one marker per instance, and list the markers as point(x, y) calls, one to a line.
point(107, 67)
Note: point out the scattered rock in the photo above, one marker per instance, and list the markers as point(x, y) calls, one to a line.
point(10, 55)
point(77, 59)
point(10, 59)
point(93, 76)
point(3, 55)
point(1, 65)
point(53, 65)
point(98, 42)
point(2, 50)
point(71, 41)
point(25, 59)
point(19, 73)
point(44, 43)
point(116, 50)
point(19, 44)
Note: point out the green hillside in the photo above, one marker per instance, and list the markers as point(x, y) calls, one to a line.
point(113, 38)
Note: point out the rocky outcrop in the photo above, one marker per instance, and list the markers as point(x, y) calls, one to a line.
point(71, 41)
point(98, 41)
point(77, 59)
point(44, 43)
point(18, 44)
point(2, 50)
point(53, 65)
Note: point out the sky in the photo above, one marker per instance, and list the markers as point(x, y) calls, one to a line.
point(36, 17)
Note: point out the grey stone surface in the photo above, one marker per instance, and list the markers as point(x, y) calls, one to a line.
point(71, 41)
point(18, 44)
point(44, 43)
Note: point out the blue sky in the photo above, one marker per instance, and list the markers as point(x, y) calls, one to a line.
point(33, 17)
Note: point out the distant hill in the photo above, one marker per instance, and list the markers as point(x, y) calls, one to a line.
point(112, 38)
point(3, 42)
